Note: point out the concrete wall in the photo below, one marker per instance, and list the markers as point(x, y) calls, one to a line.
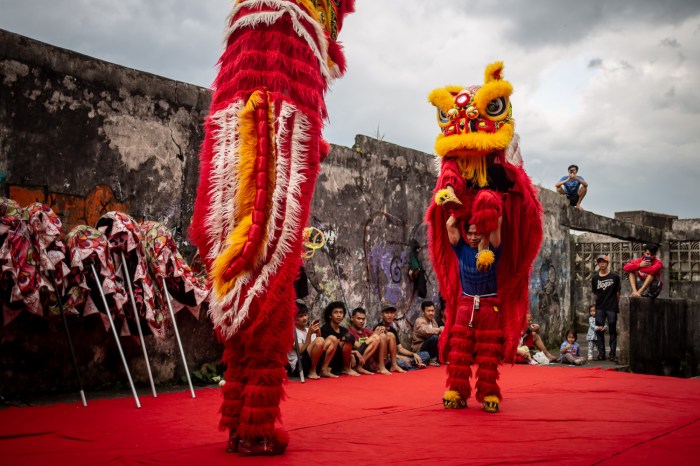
point(70, 124)
point(369, 202)
point(550, 293)
point(664, 336)
point(35, 358)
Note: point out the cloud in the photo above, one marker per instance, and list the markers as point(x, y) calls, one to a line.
point(670, 42)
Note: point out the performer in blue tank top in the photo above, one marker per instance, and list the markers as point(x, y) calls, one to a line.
point(475, 282)
point(477, 335)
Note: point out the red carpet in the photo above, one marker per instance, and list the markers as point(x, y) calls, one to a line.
point(551, 415)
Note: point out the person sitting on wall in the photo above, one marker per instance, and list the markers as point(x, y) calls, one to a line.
point(338, 338)
point(573, 186)
point(645, 273)
point(426, 333)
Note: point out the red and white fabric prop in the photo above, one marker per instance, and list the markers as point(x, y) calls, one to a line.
point(46, 228)
point(86, 246)
point(124, 238)
point(20, 279)
point(165, 261)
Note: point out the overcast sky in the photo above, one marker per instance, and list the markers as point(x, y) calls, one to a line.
point(610, 85)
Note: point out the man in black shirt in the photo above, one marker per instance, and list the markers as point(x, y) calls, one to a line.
point(605, 285)
point(337, 336)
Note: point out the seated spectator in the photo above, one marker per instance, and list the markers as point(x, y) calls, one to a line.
point(645, 273)
point(426, 333)
point(531, 338)
point(401, 359)
point(523, 355)
point(310, 343)
point(370, 345)
point(570, 350)
point(339, 340)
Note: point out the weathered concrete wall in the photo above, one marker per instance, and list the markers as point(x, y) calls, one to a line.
point(85, 137)
point(370, 202)
point(685, 229)
point(70, 123)
point(664, 336)
point(35, 358)
point(686, 290)
point(594, 223)
point(550, 293)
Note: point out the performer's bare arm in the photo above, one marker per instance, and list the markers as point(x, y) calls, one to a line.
point(453, 233)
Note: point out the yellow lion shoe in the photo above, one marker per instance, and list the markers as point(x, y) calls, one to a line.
point(491, 404)
point(453, 400)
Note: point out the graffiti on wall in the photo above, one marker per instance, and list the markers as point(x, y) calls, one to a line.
point(368, 268)
point(548, 284)
point(73, 210)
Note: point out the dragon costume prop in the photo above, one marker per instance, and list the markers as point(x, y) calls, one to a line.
point(166, 263)
point(88, 246)
point(481, 178)
point(258, 167)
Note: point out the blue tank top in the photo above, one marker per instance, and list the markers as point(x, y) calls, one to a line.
point(475, 283)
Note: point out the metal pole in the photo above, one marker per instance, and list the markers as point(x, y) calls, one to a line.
point(70, 342)
point(177, 336)
point(296, 348)
point(138, 324)
point(116, 337)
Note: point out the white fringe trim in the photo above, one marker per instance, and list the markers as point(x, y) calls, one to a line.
point(296, 13)
point(220, 220)
point(287, 193)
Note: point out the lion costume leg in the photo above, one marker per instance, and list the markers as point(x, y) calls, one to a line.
point(461, 354)
point(266, 355)
point(489, 353)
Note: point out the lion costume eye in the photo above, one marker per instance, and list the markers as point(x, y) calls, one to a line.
point(496, 107)
point(442, 117)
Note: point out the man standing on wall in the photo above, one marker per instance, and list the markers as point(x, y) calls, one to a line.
point(605, 285)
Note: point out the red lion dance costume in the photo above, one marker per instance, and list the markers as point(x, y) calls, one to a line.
point(258, 167)
point(481, 179)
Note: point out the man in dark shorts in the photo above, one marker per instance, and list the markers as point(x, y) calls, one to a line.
point(573, 186)
point(645, 273)
point(339, 338)
point(370, 345)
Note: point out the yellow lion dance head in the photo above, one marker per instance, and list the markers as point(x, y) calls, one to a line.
point(474, 120)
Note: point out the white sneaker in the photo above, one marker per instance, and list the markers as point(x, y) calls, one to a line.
point(532, 362)
point(590, 357)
